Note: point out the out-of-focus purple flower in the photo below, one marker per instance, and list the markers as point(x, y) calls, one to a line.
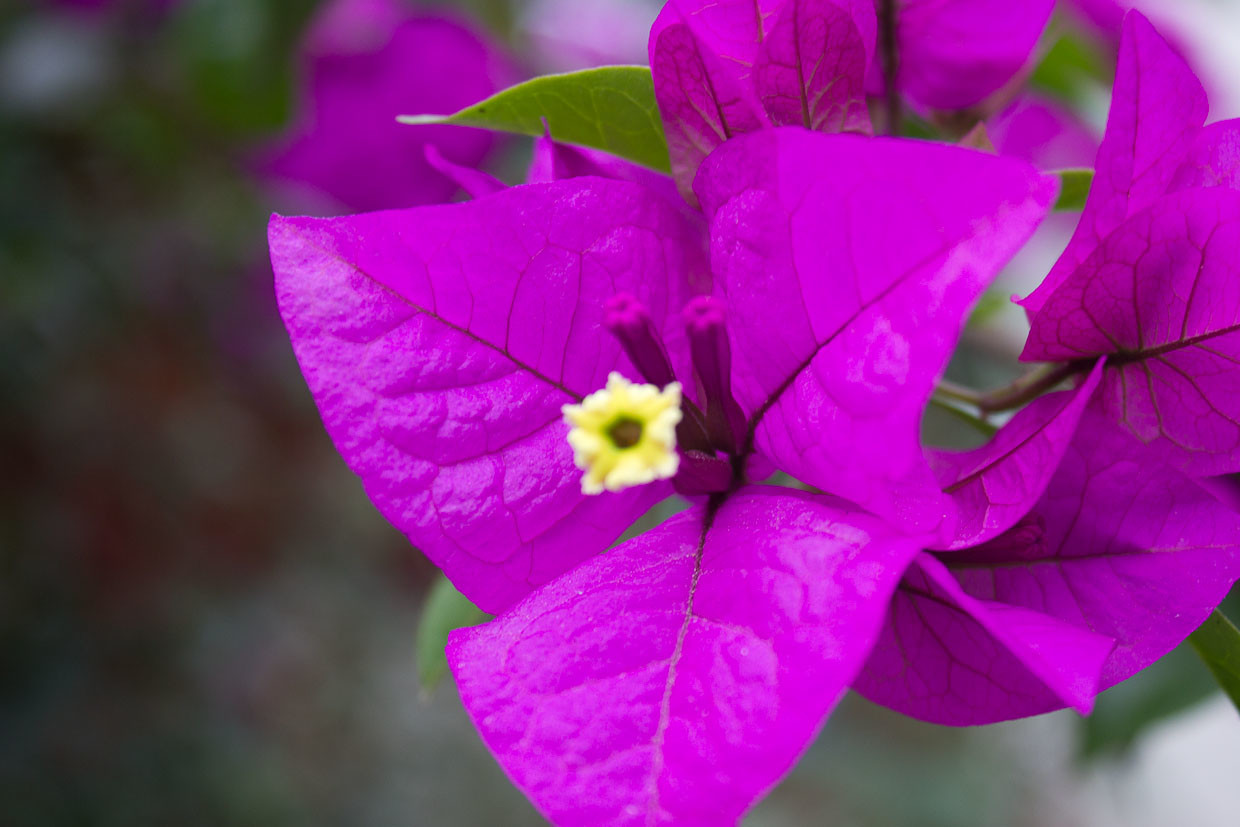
point(722, 69)
point(675, 678)
point(367, 61)
point(952, 54)
point(1043, 132)
point(1106, 16)
point(569, 34)
point(1151, 279)
point(1079, 560)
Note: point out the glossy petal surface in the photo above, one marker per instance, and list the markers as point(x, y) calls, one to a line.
point(953, 53)
point(1162, 296)
point(441, 342)
point(674, 679)
point(996, 485)
point(950, 658)
point(1157, 106)
point(849, 264)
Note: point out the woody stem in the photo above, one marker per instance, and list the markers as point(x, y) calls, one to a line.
point(1021, 392)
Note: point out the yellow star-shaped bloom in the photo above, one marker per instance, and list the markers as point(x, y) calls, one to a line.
point(624, 435)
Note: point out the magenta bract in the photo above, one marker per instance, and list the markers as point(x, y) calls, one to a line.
point(728, 67)
point(677, 677)
point(674, 679)
point(1150, 279)
point(863, 263)
point(441, 343)
point(955, 53)
point(1117, 562)
point(723, 69)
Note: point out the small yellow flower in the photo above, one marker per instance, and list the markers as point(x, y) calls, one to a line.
point(624, 435)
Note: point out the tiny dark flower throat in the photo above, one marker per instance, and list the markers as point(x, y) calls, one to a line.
point(625, 432)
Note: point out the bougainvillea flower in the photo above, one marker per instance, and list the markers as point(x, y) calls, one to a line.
point(1106, 571)
point(727, 67)
point(952, 54)
point(676, 677)
point(1150, 277)
point(366, 61)
point(566, 35)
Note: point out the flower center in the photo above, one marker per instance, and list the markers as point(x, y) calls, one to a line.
point(702, 447)
point(625, 432)
point(625, 435)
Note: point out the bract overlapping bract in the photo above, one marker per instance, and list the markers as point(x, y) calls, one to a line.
point(850, 273)
point(1150, 277)
point(723, 69)
point(678, 676)
point(440, 344)
point(1116, 563)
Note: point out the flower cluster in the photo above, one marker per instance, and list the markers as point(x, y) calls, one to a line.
point(518, 378)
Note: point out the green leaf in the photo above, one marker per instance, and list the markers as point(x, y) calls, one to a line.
point(1073, 68)
point(445, 609)
point(1218, 644)
point(1073, 189)
point(611, 108)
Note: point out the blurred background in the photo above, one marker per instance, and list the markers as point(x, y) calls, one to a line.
point(202, 619)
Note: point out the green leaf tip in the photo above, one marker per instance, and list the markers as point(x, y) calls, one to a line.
point(1073, 189)
point(611, 108)
point(1217, 641)
point(445, 609)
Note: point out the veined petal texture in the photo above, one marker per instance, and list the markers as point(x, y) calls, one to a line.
point(811, 67)
point(1161, 298)
point(947, 657)
point(676, 678)
point(441, 342)
point(724, 68)
point(1157, 108)
point(1120, 547)
point(996, 485)
point(849, 265)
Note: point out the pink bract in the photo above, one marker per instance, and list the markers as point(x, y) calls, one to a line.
point(441, 343)
point(1117, 562)
point(676, 678)
point(723, 69)
point(1150, 279)
point(955, 53)
point(850, 253)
